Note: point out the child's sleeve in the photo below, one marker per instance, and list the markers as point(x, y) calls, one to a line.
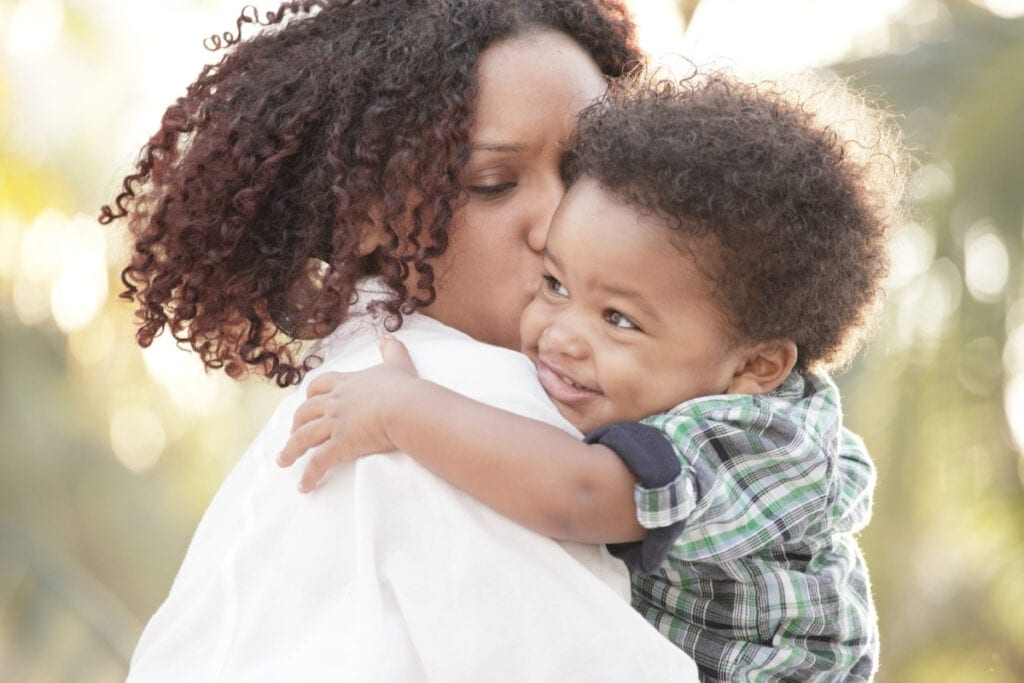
point(719, 489)
point(665, 493)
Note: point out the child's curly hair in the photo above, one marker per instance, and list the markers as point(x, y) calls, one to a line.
point(337, 115)
point(797, 195)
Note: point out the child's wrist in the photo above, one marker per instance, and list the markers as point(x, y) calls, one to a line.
point(399, 405)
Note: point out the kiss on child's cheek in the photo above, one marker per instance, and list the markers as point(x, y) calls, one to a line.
point(622, 326)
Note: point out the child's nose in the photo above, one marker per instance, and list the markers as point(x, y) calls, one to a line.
point(563, 336)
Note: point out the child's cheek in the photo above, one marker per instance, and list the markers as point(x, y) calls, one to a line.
point(531, 326)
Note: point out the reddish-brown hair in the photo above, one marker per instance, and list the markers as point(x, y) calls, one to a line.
point(263, 177)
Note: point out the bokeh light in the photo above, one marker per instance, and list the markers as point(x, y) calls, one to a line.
point(34, 27)
point(137, 437)
point(193, 390)
point(912, 250)
point(1009, 9)
point(80, 287)
point(986, 262)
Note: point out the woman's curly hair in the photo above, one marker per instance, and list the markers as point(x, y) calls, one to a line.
point(794, 188)
point(247, 207)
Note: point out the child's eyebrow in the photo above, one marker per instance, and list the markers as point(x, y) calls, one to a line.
point(636, 298)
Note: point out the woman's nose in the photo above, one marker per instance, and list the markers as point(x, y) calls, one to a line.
point(547, 201)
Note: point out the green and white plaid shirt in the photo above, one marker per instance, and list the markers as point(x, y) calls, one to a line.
point(750, 564)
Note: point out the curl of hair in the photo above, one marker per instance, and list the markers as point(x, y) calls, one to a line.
point(246, 209)
point(786, 192)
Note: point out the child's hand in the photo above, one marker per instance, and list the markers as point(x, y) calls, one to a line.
point(345, 414)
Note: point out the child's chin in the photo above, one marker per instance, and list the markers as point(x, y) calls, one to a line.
point(588, 423)
point(583, 423)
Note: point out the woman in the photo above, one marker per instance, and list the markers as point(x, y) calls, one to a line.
point(417, 143)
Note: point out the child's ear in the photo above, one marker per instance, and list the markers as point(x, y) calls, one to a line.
point(763, 367)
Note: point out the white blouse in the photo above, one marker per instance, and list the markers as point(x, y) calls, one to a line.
point(386, 572)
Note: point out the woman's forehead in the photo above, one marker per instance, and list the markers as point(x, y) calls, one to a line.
point(533, 85)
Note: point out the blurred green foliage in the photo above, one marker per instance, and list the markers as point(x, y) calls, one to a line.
point(108, 461)
point(937, 404)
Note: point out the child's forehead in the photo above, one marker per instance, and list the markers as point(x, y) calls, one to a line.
point(617, 220)
point(620, 245)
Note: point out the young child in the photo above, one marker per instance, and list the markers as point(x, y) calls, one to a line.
point(718, 249)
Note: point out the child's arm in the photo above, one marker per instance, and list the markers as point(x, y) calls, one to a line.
point(529, 471)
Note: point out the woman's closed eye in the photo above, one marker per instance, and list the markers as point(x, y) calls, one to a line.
point(617, 319)
point(493, 190)
point(555, 286)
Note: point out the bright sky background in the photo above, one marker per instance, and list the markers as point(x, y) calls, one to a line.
point(785, 35)
point(770, 36)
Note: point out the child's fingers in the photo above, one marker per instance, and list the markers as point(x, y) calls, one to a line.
point(321, 460)
point(311, 409)
point(307, 436)
point(313, 473)
point(395, 353)
point(323, 384)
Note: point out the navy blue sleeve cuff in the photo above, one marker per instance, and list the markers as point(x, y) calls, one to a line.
point(646, 451)
point(649, 455)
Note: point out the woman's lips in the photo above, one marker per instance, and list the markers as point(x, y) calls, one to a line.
point(561, 387)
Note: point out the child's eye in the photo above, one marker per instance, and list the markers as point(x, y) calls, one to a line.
point(490, 190)
point(555, 286)
point(616, 319)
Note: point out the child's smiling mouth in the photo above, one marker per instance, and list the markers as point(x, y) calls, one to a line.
point(561, 387)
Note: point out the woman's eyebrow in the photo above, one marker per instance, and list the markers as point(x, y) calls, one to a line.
point(498, 146)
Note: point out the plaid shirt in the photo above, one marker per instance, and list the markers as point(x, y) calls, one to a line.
point(751, 503)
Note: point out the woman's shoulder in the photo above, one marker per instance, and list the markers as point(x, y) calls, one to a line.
point(433, 345)
point(490, 374)
point(439, 349)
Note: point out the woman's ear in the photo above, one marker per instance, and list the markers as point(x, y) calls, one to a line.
point(372, 239)
point(373, 235)
point(763, 367)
